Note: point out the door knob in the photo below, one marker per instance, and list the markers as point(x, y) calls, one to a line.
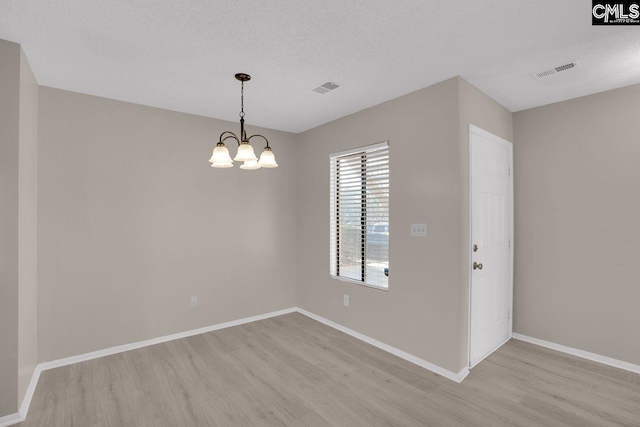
point(477, 266)
point(475, 248)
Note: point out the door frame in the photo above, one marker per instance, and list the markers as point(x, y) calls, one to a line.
point(478, 131)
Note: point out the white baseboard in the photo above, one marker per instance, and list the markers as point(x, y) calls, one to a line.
point(454, 376)
point(605, 360)
point(140, 344)
point(11, 419)
point(26, 400)
point(19, 417)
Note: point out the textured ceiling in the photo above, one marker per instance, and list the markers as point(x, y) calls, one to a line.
point(182, 55)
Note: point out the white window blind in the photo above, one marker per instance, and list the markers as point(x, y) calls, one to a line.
point(359, 215)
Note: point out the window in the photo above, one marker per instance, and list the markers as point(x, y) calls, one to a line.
point(359, 215)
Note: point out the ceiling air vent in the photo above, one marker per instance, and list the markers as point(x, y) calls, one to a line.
point(326, 87)
point(556, 70)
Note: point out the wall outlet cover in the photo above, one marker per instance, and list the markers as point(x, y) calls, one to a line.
point(345, 300)
point(419, 230)
point(193, 302)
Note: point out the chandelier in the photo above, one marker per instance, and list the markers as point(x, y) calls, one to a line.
point(220, 157)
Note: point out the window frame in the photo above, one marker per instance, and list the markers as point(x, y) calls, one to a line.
point(335, 219)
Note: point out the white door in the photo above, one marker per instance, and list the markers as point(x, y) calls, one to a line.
point(491, 242)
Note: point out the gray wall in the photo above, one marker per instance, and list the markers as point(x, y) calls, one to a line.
point(133, 221)
point(130, 226)
point(18, 225)
point(9, 153)
point(424, 311)
point(577, 184)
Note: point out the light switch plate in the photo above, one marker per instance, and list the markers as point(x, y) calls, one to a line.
point(419, 230)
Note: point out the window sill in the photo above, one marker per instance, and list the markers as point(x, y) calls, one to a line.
point(358, 282)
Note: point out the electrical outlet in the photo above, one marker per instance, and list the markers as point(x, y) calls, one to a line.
point(419, 230)
point(345, 300)
point(193, 302)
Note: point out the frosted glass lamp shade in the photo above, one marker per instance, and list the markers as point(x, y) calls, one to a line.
point(245, 153)
point(220, 157)
point(250, 165)
point(220, 154)
point(267, 159)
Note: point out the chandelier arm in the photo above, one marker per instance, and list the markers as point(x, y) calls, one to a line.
point(230, 135)
point(267, 141)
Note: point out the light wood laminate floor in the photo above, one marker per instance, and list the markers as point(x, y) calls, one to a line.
point(293, 371)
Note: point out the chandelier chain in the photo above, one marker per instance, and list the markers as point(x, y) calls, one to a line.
point(241, 99)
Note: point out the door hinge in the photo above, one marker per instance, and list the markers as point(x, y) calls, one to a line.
point(508, 314)
point(509, 170)
point(509, 243)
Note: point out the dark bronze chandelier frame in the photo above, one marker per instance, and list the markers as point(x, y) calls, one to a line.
point(242, 77)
